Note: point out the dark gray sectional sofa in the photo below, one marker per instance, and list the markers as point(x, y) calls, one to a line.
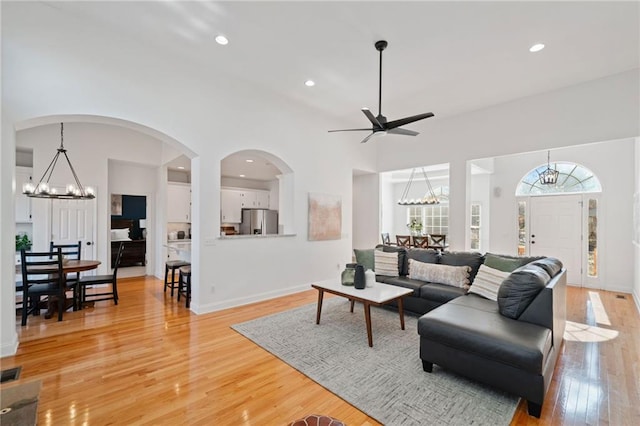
point(512, 343)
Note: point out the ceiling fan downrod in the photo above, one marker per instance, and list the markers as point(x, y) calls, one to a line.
point(380, 46)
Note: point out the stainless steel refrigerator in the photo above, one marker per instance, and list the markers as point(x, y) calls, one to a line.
point(259, 222)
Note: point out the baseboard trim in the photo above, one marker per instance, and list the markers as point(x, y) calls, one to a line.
point(10, 348)
point(241, 301)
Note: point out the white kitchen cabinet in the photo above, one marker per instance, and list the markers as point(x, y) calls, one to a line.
point(23, 203)
point(231, 205)
point(262, 199)
point(178, 202)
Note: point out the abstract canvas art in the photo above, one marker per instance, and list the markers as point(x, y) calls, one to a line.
point(325, 217)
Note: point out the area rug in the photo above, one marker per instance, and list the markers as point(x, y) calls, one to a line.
point(20, 403)
point(386, 381)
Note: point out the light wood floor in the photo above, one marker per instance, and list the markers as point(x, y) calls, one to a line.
point(151, 361)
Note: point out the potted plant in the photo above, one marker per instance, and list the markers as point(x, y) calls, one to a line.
point(415, 227)
point(22, 242)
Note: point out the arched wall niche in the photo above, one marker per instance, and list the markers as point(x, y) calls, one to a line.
point(254, 169)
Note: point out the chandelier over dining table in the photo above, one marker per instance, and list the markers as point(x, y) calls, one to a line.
point(42, 189)
point(428, 198)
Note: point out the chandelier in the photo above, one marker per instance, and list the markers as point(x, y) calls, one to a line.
point(72, 192)
point(549, 176)
point(428, 198)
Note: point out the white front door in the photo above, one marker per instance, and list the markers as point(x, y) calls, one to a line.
point(73, 221)
point(556, 231)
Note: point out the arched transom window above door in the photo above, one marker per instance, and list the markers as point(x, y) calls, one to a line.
point(572, 178)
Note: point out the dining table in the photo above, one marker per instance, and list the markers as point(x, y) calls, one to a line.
point(69, 266)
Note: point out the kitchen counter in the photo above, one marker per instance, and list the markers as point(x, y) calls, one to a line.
point(254, 236)
point(182, 248)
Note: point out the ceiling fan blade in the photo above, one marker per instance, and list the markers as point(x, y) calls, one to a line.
point(350, 130)
point(401, 122)
point(372, 118)
point(367, 138)
point(399, 131)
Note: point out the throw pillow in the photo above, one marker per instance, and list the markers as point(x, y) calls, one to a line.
point(519, 289)
point(463, 258)
point(402, 256)
point(365, 258)
point(456, 276)
point(386, 263)
point(487, 282)
point(120, 234)
point(506, 263)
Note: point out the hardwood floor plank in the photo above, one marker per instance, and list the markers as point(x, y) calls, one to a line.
point(151, 361)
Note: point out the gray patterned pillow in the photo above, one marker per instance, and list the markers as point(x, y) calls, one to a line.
point(456, 276)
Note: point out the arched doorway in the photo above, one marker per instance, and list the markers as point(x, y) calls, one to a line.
point(560, 219)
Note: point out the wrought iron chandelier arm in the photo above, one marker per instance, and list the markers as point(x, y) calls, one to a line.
point(75, 176)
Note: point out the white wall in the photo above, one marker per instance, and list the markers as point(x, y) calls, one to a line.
point(366, 220)
point(613, 163)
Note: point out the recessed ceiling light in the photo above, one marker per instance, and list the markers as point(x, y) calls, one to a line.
point(536, 47)
point(249, 161)
point(309, 83)
point(181, 167)
point(222, 40)
point(241, 175)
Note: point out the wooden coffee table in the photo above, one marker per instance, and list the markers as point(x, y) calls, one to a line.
point(377, 295)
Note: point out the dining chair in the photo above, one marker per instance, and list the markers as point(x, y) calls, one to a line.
point(94, 280)
point(437, 241)
point(421, 241)
point(386, 240)
point(403, 240)
point(70, 251)
point(41, 276)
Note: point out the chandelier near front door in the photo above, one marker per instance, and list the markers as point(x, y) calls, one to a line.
point(549, 176)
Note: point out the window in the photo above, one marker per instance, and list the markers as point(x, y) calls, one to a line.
point(475, 226)
point(592, 255)
point(572, 178)
point(522, 230)
point(435, 217)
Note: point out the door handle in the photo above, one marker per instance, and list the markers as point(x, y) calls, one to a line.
point(88, 243)
point(533, 236)
point(533, 242)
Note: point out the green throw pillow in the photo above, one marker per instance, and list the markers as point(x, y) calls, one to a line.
point(506, 263)
point(365, 258)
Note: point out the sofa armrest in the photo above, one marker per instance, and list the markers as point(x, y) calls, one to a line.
point(549, 308)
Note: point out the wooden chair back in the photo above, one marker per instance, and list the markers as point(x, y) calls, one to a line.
point(421, 242)
point(42, 275)
point(438, 241)
point(403, 240)
point(385, 239)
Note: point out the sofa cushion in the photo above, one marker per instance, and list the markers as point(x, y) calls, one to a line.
point(386, 263)
point(520, 288)
point(423, 255)
point(487, 335)
point(440, 293)
point(461, 258)
point(505, 263)
point(487, 282)
point(457, 276)
point(550, 264)
point(405, 282)
point(365, 258)
point(402, 256)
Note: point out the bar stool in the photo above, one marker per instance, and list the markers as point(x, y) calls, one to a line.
point(184, 284)
point(173, 265)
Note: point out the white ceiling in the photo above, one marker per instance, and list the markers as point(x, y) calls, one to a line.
point(443, 57)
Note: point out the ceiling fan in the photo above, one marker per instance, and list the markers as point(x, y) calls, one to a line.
point(380, 125)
